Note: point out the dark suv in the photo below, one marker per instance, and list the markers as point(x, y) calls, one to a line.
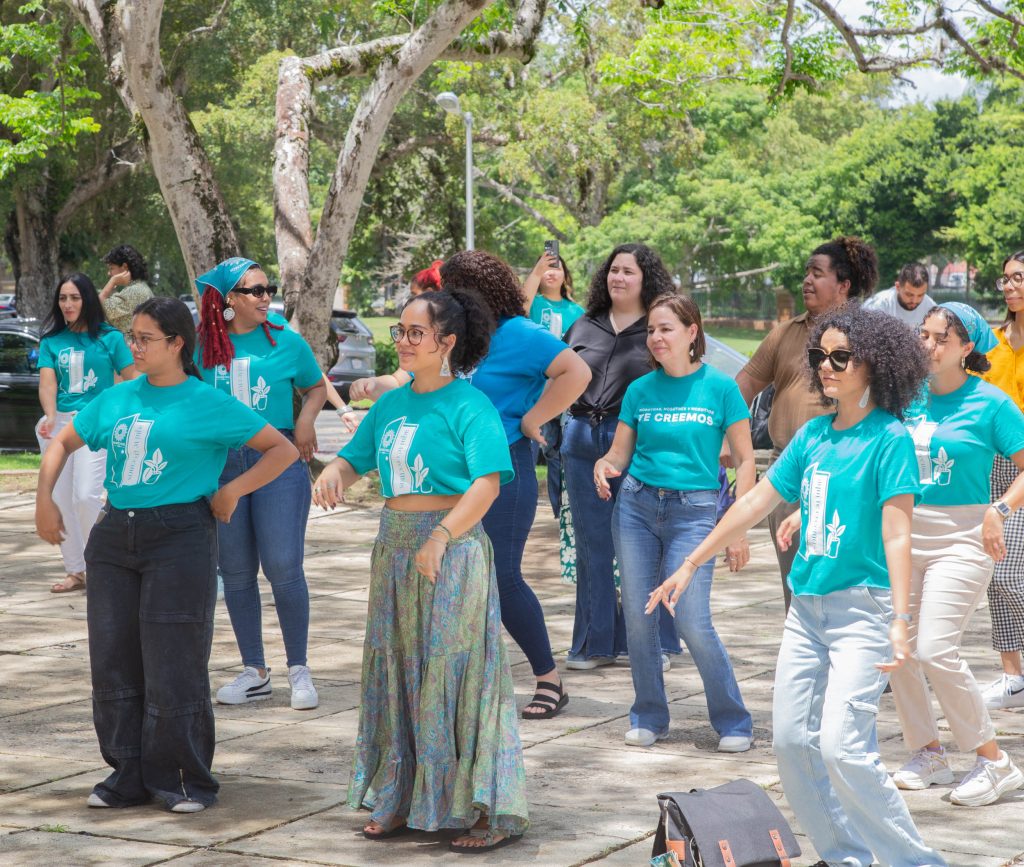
point(19, 383)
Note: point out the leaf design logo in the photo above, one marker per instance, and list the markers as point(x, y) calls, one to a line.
point(260, 393)
point(835, 529)
point(90, 380)
point(154, 466)
point(942, 467)
point(419, 471)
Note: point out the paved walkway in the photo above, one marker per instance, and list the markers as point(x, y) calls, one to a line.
point(283, 772)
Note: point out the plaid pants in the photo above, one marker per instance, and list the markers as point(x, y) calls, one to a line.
point(1006, 592)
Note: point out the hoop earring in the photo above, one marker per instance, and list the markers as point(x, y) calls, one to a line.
point(445, 367)
point(229, 314)
point(864, 398)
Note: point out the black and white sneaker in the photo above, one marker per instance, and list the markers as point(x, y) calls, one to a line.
point(250, 685)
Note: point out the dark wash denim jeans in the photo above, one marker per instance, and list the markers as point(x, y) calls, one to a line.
point(151, 594)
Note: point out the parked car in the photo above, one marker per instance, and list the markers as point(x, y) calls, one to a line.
point(19, 383)
point(356, 354)
point(723, 357)
point(7, 305)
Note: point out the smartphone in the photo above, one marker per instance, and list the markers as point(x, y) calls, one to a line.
point(551, 249)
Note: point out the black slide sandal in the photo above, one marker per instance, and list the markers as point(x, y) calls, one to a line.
point(551, 706)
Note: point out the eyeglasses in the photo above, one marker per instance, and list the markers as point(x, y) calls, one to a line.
point(1014, 280)
point(413, 335)
point(143, 341)
point(257, 291)
point(838, 358)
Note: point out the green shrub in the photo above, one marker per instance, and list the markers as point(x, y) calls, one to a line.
point(387, 358)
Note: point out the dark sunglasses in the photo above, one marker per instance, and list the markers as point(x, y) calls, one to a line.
point(838, 358)
point(257, 291)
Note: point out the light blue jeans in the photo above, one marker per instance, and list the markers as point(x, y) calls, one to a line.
point(654, 529)
point(826, 703)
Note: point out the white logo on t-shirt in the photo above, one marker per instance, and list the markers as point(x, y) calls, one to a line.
point(395, 446)
point(72, 363)
point(937, 471)
point(822, 540)
point(129, 445)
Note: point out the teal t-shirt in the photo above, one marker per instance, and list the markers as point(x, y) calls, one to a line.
point(680, 422)
point(512, 374)
point(84, 365)
point(554, 316)
point(164, 444)
point(262, 375)
point(957, 436)
point(842, 479)
point(434, 443)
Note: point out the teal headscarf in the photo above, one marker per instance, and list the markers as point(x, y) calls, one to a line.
point(978, 329)
point(226, 275)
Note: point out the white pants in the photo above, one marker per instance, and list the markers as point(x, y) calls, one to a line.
point(78, 494)
point(950, 574)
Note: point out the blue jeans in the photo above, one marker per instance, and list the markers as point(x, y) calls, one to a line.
point(826, 741)
point(654, 530)
point(599, 628)
point(268, 529)
point(507, 524)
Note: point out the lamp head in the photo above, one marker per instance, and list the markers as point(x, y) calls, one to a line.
point(449, 102)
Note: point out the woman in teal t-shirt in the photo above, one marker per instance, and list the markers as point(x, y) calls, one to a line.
point(548, 290)
point(260, 364)
point(79, 356)
point(152, 558)
point(958, 429)
point(434, 623)
point(855, 475)
point(671, 426)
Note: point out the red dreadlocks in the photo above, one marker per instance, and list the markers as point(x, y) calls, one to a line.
point(215, 345)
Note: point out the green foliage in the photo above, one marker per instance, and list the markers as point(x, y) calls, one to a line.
point(387, 357)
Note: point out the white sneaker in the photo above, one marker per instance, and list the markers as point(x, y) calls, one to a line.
point(733, 744)
point(666, 662)
point(304, 695)
point(95, 800)
point(248, 686)
point(642, 737)
point(987, 782)
point(188, 807)
point(587, 664)
point(1005, 692)
point(924, 768)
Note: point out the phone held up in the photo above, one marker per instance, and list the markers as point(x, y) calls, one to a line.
point(551, 249)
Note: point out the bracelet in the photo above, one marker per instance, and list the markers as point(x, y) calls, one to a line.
point(444, 530)
point(440, 539)
point(906, 618)
point(344, 410)
point(694, 565)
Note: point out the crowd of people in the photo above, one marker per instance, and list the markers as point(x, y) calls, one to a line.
point(892, 495)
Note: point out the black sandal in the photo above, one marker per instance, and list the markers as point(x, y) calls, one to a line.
point(550, 705)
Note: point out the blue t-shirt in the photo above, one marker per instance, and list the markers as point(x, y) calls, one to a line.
point(555, 316)
point(680, 422)
point(84, 365)
point(957, 435)
point(434, 443)
point(262, 375)
point(512, 374)
point(164, 444)
point(842, 479)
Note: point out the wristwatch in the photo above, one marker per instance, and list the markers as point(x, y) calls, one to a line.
point(1002, 508)
point(906, 618)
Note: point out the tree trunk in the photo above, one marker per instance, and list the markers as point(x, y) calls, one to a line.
point(33, 245)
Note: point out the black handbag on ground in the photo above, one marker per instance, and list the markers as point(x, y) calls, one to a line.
point(733, 825)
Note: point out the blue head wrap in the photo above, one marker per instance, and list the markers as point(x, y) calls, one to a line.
point(978, 329)
point(226, 275)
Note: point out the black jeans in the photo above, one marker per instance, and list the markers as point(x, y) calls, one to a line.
point(151, 595)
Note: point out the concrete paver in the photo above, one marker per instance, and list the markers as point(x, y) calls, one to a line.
point(284, 772)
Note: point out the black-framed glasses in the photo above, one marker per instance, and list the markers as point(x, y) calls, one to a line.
point(413, 335)
point(142, 341)
point(1014, 280)
point(257, 291)
point(838, 358)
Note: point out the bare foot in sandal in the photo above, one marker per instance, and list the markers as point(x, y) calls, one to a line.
point(548, 699)
point(374, 830)
point(482, 838)
point(72, 581)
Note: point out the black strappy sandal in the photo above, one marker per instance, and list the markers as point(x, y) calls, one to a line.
point(550, 705)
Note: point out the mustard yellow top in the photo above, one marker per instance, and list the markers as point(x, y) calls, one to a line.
point(1007, 371)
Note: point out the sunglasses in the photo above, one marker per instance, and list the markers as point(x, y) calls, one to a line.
point(838, 358)
point(258, 291)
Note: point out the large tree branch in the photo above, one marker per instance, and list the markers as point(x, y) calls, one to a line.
point(507, 193)
point(117, 163)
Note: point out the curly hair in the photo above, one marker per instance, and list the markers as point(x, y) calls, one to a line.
point(852, 259)
point(466, 316)
point(126, 255)
point(656, 279)
point(892, 354)
point(976, 362)
point(493, 278)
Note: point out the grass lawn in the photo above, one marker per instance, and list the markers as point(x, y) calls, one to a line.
point(379, 325)
point(19, 460)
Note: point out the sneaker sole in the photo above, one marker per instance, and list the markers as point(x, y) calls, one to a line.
point(630, 743)
point(919, 784)
point(1007, 784)
point(308, 704)
point(587, 664)
point(256, 696)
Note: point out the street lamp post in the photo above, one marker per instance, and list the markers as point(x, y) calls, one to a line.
point(450, 103)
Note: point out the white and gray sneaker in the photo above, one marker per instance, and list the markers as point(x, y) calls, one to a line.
point(987, 782)
point(1005, 692)
point(924, 768)
point(250, 685)
point(304, 695)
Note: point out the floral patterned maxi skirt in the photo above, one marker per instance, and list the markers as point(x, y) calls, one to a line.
point(438, 736)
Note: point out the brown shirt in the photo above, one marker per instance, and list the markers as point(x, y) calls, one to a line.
point(781, 359)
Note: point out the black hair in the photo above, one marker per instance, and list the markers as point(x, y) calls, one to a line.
point(467, 316)
point(976, 362)
point(92, 309)
point(892, 354)
point(854, 260)
point(1013, 257)
point(656, 279)
point(915, 274)
point(125, 254)
point(174, 320)
point(490, 276)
